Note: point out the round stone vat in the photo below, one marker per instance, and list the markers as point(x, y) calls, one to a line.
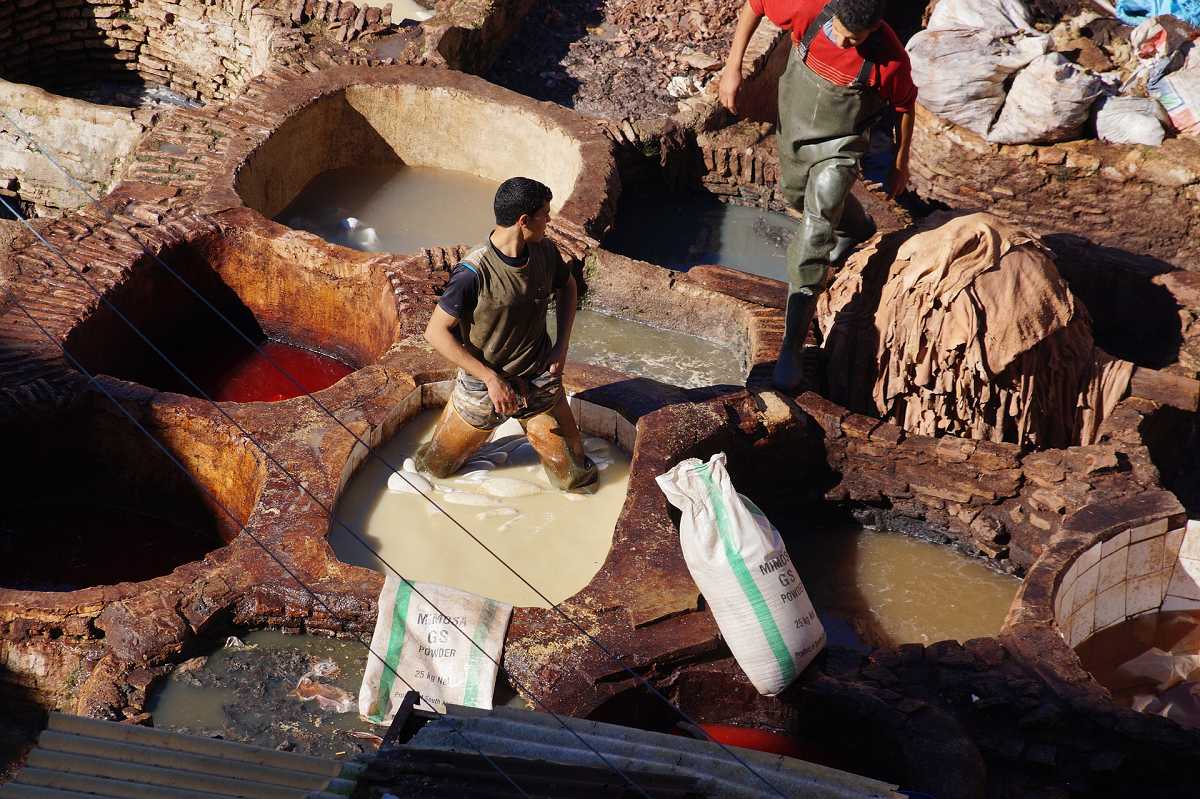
point(316, 316)
point(96, 502)
point(399, 116)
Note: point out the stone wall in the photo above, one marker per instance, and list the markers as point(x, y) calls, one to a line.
point(1141, 200)
point(89, 141)
point(202, 50)
point(991, 498)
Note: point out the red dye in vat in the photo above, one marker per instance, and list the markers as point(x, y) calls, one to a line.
point(253, 376)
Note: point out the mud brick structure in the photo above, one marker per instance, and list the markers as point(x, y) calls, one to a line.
point(1134, 199)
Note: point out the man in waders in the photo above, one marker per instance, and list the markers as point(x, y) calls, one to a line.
point(846, 68)
point(490, 322)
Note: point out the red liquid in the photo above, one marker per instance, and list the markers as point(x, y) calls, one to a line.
point(251, 377)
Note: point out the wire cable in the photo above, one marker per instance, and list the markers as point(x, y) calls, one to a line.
point(638, 678)
point(327, 510)
point(224, 508)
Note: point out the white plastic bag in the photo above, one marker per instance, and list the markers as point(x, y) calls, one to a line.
point(1179, 93)
point(1131, 120)
point(996, 17)
point(960, 74)
point(743, 570)
point(423, 647)
point(1050, 100)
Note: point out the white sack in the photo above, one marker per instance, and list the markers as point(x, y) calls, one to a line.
point(996, 17)
point(1179, 93)
point(742, 568)
point(1049, 101)
point(960, 74)
point(1131, 120)
point(423, 647)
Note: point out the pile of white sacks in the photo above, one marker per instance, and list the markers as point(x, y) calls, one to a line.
point(982, 64)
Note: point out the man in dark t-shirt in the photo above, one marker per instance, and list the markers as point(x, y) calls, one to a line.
point(491, 323)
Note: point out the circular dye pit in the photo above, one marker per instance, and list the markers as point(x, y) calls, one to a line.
point(878, 589)
point(394, 208)
point(555, 540)
point(662, 355)
point(1150, 663)
point(680, 231)
point(96, 502)
point(238, 320)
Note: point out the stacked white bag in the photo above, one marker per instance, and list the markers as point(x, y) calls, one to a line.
point(742, 568)
point(961, 61)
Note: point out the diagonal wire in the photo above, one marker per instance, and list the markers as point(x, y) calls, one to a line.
point(373, 452)
point(328, 511)
point(216, 500)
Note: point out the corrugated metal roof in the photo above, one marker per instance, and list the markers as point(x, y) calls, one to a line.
point(547, 760)
point(79, 757)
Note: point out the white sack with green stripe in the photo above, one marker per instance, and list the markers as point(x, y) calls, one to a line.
point(741, 566)
point(418, 632)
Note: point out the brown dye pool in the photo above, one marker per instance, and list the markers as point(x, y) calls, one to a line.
point(662, 355)
point(875, 589)
point(57, 546)
point(246, 692)
point(394, 208)
point(1150, 663)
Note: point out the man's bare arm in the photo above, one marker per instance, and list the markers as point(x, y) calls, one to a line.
point(899, 177)
point(564, 314)
point(731, 75)
point(440, 333)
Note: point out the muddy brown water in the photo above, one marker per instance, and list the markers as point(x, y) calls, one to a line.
point(663, 355)
point(557, 541)
point(1174, 633)
point(394, 208)
point(245, 693)
point(878, 589)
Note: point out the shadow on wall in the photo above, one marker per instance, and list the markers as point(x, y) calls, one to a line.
point(79, 55)
point(1132, 318)
point(23, 718)
point(533, 61)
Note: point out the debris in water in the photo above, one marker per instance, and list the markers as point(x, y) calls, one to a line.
point(409, 483)
point(233, 642)
point(508, 487)
point(328, 697)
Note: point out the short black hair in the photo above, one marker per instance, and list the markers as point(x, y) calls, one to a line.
point(517, 197)
point(858, 15)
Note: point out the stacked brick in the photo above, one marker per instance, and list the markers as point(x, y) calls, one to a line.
point(1142, 200)
point(991, 498)
point(343, 21)
point(202, 49)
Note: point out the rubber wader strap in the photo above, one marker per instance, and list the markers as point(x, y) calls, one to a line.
point(863, 80)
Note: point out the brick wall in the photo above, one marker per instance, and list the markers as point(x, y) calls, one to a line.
point(1141, 200)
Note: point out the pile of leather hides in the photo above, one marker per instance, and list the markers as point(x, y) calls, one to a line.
point(969, 330)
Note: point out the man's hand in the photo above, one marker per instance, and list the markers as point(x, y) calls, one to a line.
point(897, 181)
point(727, 89)
point(503, 398)
point(558, 359)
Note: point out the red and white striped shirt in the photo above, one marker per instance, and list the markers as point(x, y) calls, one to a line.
point(841, 65)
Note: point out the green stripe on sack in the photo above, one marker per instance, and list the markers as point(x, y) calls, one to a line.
point(471, 692)
point(766, 622)
point(392, 655)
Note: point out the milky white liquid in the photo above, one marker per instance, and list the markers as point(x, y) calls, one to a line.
point(557, 541)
